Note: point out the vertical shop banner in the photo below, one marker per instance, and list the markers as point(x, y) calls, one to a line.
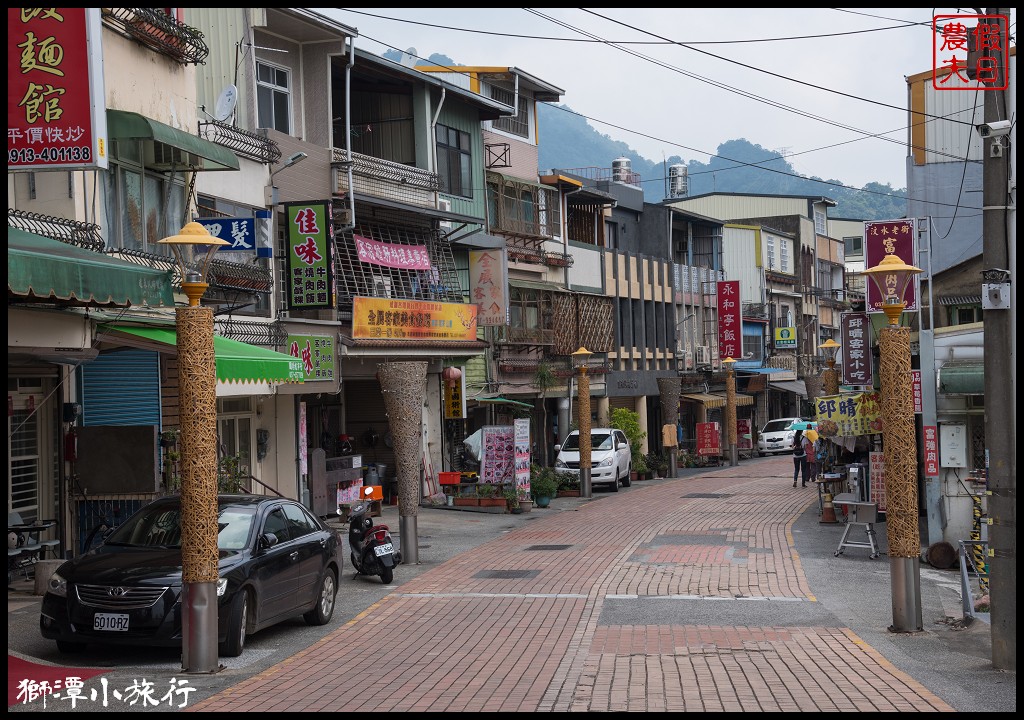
point(876, 484)
point(488, 285)
point(498, 447)
point(730, 323)
point(930, 434)
point(855, 337)
point(848, 414)
point(744, 435)
point(709, 441)
point(522, 441)
point(889, 237)
point(56, 109)
point(968, 50)
point(303, 465)
point(915, 384)
point(316, 353)
point(455, 398)
point(310, 249)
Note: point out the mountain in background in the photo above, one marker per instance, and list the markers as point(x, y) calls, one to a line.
point(568, 142)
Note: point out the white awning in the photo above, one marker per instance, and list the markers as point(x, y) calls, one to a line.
point(793, 386)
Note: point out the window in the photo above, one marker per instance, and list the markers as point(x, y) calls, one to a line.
point(611, 234)
point(854, 245)
point(141, 206)
point(964, 314)
point(273, 97)
point(454, 161)
point(277, 524)
point(825, 278)
point(753, 346)
point(234, 431)
point(299, 523)
point(210, 207)
point(820, 223)
point(518, 125)
point(784, 266)
point(770, 251)
point(525, 309)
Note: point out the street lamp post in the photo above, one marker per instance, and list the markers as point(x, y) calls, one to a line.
point(579, 359)
point(730, 409)
point(830, 376)
point(892, 276)
point(193, 250)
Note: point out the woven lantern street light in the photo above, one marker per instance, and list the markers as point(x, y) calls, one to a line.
point(830, 376)
point(730, 409)
point(579, 360)
point(892, 276)
point(193, 249)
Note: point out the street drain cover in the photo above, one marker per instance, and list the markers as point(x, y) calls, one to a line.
point(549, 547)
point(506, 574)
point(706, 495)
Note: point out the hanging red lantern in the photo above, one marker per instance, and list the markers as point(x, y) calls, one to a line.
point(451, 376)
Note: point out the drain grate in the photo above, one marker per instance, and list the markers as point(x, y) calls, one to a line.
point(506, 574)
point(706, 495)
point(549, 547)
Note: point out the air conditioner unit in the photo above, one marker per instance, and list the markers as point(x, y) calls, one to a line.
point(716, 361)
point(703, 355)
point(445, 205)
point(688, 360)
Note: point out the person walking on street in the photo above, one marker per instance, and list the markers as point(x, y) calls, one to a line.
point(799, 458)
point(811, 453)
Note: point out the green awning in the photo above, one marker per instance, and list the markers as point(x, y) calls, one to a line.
point(41, 269)
point(962, 377)
point(236, 361)
point(504, 401)
point(193, 152)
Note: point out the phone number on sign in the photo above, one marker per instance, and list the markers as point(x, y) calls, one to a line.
point(78, 153)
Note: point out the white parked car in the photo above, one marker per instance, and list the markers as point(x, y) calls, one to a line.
point(776, 437)
point(610, 457)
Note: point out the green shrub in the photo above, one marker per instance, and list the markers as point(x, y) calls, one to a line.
point(542, 482)
point(628, 421)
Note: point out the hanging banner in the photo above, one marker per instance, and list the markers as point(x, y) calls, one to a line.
point(522, 435)
point(406, 257)
point(744, 435)
point(855, 337)
point(730, 324)
point(56, 110)
point(876, 484)
point(383, 318)
point(709, 440)
point(848, 414)
point(455, 398)
point(889, 237)
point(497, 464)
point(310, 270)
point(488, 285)
point(303, 457)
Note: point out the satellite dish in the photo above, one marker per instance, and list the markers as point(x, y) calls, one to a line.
point(225, 103)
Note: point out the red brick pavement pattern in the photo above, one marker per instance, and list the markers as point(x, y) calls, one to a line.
point(450, 640)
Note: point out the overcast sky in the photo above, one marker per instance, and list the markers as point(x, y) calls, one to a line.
point(673, 100)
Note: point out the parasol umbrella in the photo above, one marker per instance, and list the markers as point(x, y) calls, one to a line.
point(811, 435)
point(803, 425)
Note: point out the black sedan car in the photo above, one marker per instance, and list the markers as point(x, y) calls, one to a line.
point(277, 560)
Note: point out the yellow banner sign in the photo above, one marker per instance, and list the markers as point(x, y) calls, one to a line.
point(386, 319)
point(849, 414)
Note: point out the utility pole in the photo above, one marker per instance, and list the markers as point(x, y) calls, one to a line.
point(999, 220)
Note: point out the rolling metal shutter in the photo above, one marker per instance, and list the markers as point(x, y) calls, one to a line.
point(121, 388)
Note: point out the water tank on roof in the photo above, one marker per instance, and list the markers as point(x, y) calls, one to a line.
point(621, 170)
point(678, 181)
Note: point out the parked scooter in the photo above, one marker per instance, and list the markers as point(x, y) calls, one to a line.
point(373, 553)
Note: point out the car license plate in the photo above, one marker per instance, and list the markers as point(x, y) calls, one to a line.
point(108, 621)
point(382, 550)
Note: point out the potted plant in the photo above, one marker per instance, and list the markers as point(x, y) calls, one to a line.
point(488, 496)
point(663, 466)
point(543, 485)
point(568, 484)
point(639, 467)
point(511, 495)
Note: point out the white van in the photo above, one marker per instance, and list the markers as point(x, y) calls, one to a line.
point(610, 457)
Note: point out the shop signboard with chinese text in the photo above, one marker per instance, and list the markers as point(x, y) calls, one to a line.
point(889, 237)
point(876, 482)
point(915, 384)
point(709, 440)
point(240, 232)
point(968, 50)
point(316, 353)
point(855, 337)
point(730, 322)
point(310, 270)
point(455, 398)
point(383, 318)
point(488, 285)
point(497, 466)
point(930, 434)
point(785, 337)
point(56, 109)
point(848, 414)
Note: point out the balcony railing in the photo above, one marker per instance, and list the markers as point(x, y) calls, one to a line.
point(385, 179)
point(506, 335)
point(242, 142)
point(158, 31)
